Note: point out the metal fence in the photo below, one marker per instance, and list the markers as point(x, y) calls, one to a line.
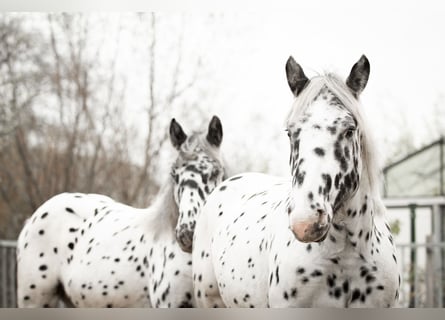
point(8, 295)
point(423, 276)
point(423, 282)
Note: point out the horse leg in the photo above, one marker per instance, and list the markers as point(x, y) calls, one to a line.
point(37, 273)
point(33, 291)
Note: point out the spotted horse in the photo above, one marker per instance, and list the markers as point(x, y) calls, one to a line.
point(91, 251)
point(318, 239)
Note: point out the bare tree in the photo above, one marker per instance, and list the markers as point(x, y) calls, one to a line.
point(158, 105)
point(73, 136)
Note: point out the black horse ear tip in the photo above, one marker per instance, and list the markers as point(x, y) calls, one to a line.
point(364, 59)
point(290, 61)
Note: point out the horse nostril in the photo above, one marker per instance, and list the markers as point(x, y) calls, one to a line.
point(320, 212)
point(289, 209)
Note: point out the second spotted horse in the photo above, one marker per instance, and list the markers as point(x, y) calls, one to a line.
point(319, 239)
point(91, 251)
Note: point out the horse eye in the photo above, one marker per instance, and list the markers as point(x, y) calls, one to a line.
point(349, 132)
point(288, 132)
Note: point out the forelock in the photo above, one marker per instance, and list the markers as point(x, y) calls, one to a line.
point(196, 146)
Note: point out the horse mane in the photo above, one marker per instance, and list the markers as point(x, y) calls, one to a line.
point(370, 156)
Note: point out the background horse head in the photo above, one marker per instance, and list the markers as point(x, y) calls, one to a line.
point(331, 155)
point(197, 171)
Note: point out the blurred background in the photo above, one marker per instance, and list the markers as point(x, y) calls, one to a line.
point(86, 100)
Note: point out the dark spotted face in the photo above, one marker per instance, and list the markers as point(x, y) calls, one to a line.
point(196, 172)
point(325, 160)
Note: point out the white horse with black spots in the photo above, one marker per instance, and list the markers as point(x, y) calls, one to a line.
point(319, 239)
point(91, 251)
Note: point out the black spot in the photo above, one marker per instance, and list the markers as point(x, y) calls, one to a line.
point(346, 286)
point(337, 180)
point(316, 273)
point(328, 183)
point(300, 178)
point(222, 188)
point(337, 293)
point(277, 274)
point(319, 152)
point(330, 281)
point(71, 245)
point(43, 267)
point(69, 210)
point(44, 215)
point(332, 130)
point(364, 207)
point(355, 295)
point(41, 232)
point(300, 270)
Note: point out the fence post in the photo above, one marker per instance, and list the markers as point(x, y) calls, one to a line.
point(413, 260)
point(437, 259)
point(429, 273)
point(7, 274)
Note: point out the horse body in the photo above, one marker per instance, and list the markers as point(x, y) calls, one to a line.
point(46, 240)
point(91, 251)
point(317, 239)
point(138, 262)
point(252, 258)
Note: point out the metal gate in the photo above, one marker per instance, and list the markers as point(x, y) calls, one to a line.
point(423, 282)
point(8, 294)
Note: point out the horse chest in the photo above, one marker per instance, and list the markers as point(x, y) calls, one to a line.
point(311, 279)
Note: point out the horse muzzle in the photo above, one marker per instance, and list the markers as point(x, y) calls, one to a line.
point(313, 230)
point(184, 237)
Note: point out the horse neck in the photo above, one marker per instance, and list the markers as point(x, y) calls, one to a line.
point(163, 213)
point(353, 225)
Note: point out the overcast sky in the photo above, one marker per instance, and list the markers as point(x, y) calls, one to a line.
point(243, 55)
point(246, 54)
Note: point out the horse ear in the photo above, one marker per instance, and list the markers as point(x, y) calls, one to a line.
point(358, 78)
point(296, 78)
point(177, 135)
point(215, 133)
